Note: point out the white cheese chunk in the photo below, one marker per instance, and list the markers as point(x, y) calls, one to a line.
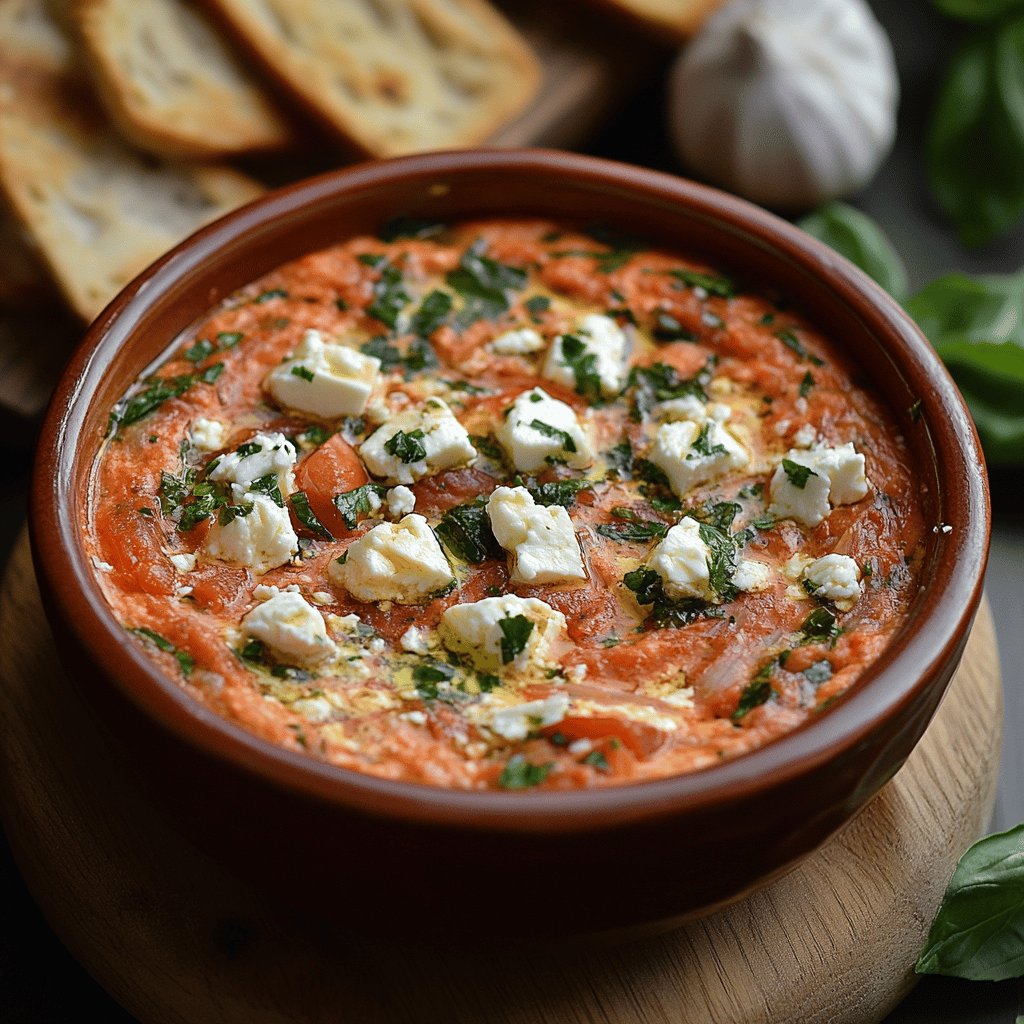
point(835, 578)
point(540, 429)
point(400, 562)
point(431, 431)
point(292, 628)
point(476, 630)
point(681, 560)
point(260, 456)
point(691, 454)
point(208, 435)
point(752, 576)
point(261, 540)
point(519, 720)
point(324, 379)
point(414, 641)
point(596, 336)
point(184, 561)
point(401, 501)
point(688, 407)
point(517, 343)
point(836, 478)
point(540, 540)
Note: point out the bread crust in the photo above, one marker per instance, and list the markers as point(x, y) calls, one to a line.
point(171, 84)
point(387, 77)
point(678, 19)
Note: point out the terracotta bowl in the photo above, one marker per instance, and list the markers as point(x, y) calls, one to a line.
point(397, 857)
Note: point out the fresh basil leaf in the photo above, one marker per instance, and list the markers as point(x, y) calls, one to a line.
point(270, 295)
point(757, 692)
point(798, 474)
point(536, 305)
point(519, 773)
point(199, 351)
point(156, 392)
point(721, 560)
point(668, 328)
point(299, 502)
point(857, 237)
point(977, 326)
point(660, 382)
point(976, 10)
point(597, 760)
point(361, 501)
point(702, 444)
point(976, 932)
point(806, 384)
point(788, 338)
point(583, 364)
point(466, 531)
point(484, 284)
point(269, 486)
point(515, 634)
point(819, 627)
point(976, 136)
point(563, 437)
point(185, 661)
point(713, 284)
point(428, 675)
point(558, 492)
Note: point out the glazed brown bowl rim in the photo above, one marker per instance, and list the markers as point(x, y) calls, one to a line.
point(901, 674)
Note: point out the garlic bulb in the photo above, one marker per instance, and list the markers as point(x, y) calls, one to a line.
point(787, 102)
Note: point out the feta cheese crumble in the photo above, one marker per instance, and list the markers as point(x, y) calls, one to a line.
point(834, 578)
point(261, 539)
point(681, 560)
point(598, 339)
point(401, 501)
point(417, 443)
point(540, 540)
point(400, 562)
point(208, 435)
point(519, 720)
point(517, 343)
point(691, 454)
point(539, 430)
point(324, 379)
point(291, 627)
point(506, 633)
point(260, 456)
point(836, 477)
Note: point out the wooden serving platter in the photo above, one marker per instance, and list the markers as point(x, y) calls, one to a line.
point(177, 940)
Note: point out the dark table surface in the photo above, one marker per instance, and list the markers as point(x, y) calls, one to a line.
point(40, 982)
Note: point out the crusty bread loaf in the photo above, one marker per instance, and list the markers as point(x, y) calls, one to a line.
point(95, 210)
point(391, 76)
point(678, 18)
point(171, 83)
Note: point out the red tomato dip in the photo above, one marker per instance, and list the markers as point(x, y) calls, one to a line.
point(506, 504)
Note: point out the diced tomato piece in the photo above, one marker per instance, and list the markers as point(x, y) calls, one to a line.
point(332, 469)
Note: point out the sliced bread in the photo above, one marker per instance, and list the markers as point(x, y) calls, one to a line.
point(95, 210)
point(171, 84)
point(678, 19)
point(391, 76)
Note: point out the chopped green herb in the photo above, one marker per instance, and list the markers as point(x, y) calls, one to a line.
point(486, 445)
point(756, 692)
point(798, 475)
point(819, 627)
point(583, 364)
point(515, 634)
point(558, 492)
point(633, 532)
point(806, 384)
point(268, 485)
point(380, 348)
point(299, 502)
point(466, 531)
point(315, 435)
point(537, 305)
point(227, 514)
point(389, 296)
point(660, 382)
point(702, 444)
point(229, 339)
point(427, 676)
point(620, 458)
point(361, 501)
point(371, 259)
point(341, 305)
point(185, 661)
point(431, 314)
point(484, 284)
point(519, 773)
point(791, 341)
point(145, 511)
point(487, 682)
point(562, 436)
point(713, 284)
point(597, 760)
point(270, 294)
point(407, 448)
point(199, 351)
point(721, 560)
point(767, 320)
point(156, 392)
point(304, 373)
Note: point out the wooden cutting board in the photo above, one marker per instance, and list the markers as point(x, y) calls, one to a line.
point(591, 67)
point(177, 940)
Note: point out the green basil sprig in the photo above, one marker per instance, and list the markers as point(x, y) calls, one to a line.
point(857, 237)
point(976, 135)
point(976, 932)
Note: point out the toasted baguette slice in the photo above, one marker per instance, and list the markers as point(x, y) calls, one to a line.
point(171, 84)
point(95, 210)
point(391, 76)
point(28, 32)
point(680, 19)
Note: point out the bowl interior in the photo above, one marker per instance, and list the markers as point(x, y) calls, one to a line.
point(759, 249)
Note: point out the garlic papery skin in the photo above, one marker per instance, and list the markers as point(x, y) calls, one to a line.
point(787, 102)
